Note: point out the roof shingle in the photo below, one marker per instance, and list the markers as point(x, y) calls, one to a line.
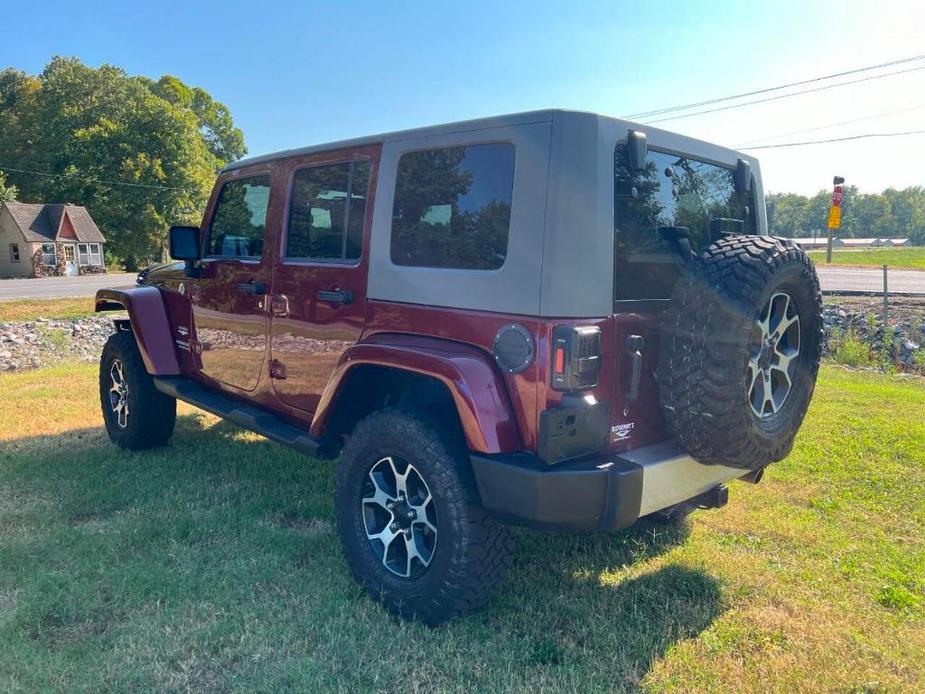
point(39, 223)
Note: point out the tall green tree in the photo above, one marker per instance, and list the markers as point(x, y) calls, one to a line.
point(94, 128)
point(8, 192)
point(787, 214)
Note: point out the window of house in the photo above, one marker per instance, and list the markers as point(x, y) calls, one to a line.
point(83, 253)
point(96, 255)
point(453, 207)
point(672, 192)
point(240, 218)
point(326, 212)
point(14, 252)
point(48, 254)
point(69, 253)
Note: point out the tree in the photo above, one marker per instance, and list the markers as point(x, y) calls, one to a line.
point(892, 213)
point(908, 209)
point(787, 214)
point(8, 192)
point(94, 128)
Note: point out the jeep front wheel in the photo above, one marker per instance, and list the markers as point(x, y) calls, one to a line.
point(410, 522)
point(136, 414)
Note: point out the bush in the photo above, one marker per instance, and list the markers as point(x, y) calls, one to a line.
point(919, 359)
point(852, 351)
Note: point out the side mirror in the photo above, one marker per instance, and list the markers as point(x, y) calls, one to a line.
point(743, 177)
point(184, 243)
point(636, 149)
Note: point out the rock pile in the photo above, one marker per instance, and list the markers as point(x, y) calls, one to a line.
point(44, 341)
point(901, 342)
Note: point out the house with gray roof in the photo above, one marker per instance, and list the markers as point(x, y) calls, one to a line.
point(62, 234)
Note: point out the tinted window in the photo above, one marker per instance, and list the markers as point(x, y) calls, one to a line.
point(453, 207)
point(325, 222)
point(240, 218)
point(650, 205)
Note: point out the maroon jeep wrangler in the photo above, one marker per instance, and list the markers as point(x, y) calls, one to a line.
point(550, 319)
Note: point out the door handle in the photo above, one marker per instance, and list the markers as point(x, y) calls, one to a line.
point(252, 287)
point(335, 296)
point(279, 305)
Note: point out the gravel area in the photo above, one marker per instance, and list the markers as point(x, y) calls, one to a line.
point(45, 341)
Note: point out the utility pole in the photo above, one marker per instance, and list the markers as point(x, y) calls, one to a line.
point(834, 214)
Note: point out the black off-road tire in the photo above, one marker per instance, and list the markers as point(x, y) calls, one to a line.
point(151, 414)
point(472, 552)
point(708, 340)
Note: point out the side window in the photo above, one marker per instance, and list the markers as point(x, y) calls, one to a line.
point(14, 252)
point(453, 207)
point(326, 212)
point(240, 218)
point(673, 193)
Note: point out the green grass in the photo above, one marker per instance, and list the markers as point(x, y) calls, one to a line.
point(30, 309)
point(213, 564)
point(911, 258)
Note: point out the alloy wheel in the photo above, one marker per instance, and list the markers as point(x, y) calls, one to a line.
point(399, 517)
point(773, 357)
point(118, 393)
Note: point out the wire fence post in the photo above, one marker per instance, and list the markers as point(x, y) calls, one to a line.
point(886, 309)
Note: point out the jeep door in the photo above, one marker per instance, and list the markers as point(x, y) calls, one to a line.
point(227, 300)
point(318, 302)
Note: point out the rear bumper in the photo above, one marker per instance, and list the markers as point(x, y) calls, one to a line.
point(603, 494)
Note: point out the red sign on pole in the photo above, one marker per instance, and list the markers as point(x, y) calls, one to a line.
point(837, 196)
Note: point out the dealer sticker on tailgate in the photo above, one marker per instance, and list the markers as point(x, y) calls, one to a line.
point(621, 432)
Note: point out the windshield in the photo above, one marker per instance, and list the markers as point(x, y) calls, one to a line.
point(673, 194)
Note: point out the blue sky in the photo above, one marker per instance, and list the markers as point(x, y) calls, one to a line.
point(314, 72)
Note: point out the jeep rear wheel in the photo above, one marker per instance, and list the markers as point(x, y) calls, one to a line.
point(136, 414)
point(740, 351)
point(410, 522)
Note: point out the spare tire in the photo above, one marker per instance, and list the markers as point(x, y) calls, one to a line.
point(739, 351)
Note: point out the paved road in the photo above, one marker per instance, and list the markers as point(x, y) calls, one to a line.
point(832, 278)
point(870, 279)
point(57, 287)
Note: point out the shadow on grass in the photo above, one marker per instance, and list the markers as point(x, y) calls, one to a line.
point(221, 518)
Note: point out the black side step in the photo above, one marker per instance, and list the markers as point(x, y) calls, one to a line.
point(250, 417)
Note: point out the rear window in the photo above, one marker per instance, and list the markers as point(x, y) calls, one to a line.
point(453, 207)
point(673, 191)
point(326, 212)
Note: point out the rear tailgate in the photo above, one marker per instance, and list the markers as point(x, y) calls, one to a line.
point(635, 423)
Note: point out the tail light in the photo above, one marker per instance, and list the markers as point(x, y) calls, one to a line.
point(576, 357)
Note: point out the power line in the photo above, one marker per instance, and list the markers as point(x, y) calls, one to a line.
point(830, 125)
point(95, 180)
point(696, 104)
point(785, 96)
point(839, 139)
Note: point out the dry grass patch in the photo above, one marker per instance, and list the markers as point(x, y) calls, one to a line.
point(30, 309)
